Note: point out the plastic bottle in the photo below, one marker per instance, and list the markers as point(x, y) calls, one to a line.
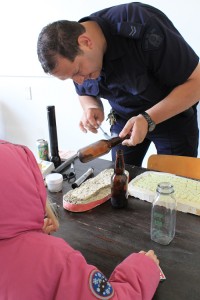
point(98, 149)
point(119, 182)
point(163, 214)
point(54, 157)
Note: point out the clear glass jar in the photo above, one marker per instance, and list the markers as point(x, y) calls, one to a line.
point(163, 214)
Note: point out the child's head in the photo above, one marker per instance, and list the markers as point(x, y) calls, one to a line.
point(23, 193)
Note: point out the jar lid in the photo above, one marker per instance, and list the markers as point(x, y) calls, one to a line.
point(54, 178)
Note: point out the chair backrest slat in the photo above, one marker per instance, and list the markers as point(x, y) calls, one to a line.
point(178, 165)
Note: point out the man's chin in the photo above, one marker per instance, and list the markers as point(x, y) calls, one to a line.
point(96, 75)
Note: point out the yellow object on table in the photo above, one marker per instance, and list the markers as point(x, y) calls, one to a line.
point(187, 191)
point(46, 167)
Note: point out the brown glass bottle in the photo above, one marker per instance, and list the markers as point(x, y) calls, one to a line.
point(119, 183)
point(98, 149)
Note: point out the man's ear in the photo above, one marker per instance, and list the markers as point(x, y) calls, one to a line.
point(84, 41)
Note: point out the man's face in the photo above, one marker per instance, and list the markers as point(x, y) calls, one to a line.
point(85, 66)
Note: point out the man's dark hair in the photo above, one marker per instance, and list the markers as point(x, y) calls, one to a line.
point(58, 38)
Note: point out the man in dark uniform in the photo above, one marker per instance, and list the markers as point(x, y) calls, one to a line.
point(134, 57)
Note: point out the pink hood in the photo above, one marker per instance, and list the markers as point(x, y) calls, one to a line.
point(37, 266)
point(14, 175)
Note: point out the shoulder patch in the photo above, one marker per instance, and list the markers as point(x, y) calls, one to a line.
point(99, 286)
point(153, 38)
point(129, 29)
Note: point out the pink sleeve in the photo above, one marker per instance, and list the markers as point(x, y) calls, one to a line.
point(137, 277)
point(76, 278)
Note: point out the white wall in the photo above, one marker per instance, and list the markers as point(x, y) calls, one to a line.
point(25, 90)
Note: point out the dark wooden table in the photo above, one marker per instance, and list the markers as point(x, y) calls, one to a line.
point(105, 236)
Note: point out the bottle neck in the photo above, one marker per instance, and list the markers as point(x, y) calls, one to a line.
point(165, 188)
point(116, 141)
point(119, 162)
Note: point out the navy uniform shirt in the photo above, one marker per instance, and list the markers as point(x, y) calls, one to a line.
point(146, 58)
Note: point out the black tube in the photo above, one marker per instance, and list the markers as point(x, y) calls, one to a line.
point(83, 178)
point(65, 164)
point(54, 157)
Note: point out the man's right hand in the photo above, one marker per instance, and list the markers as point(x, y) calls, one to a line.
point(91, 119)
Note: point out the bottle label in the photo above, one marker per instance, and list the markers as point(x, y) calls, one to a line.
point(158, 219)
point(163, 225)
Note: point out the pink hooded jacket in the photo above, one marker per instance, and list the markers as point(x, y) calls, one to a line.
point(37, 266)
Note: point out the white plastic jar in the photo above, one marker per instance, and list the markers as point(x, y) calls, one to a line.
point(54, 182)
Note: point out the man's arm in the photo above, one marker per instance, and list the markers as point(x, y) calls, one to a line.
point(180, 99)
point(93, 113)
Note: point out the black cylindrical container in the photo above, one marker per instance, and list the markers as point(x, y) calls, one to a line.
point(54, 154)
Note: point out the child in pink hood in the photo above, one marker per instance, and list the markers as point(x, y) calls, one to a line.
point(38, 266)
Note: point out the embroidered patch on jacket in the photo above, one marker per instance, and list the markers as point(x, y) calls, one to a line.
point(100, 286)
point(153, 38)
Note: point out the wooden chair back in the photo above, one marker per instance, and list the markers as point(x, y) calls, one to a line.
point(178, 165)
